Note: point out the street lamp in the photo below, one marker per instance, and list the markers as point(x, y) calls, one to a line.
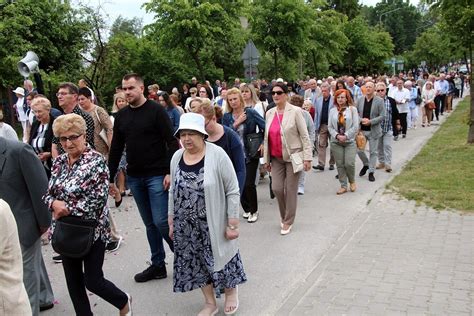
point(384, 13)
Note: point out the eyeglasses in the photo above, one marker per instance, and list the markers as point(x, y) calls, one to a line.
point(59, 94)
point(380, 90)
point(278, 92)
point(71, 138)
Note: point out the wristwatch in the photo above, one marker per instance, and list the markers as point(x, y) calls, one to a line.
point(232, 227)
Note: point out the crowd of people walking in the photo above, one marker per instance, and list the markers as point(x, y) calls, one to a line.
point(191, 160)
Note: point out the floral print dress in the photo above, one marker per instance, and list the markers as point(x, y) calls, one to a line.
point(193, 259)
point(84, 187)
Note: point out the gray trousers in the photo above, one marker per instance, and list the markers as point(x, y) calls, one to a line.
point(373, 145)
point(35, 277)
point(385, 148)
point(345, 162)
point(323, 143)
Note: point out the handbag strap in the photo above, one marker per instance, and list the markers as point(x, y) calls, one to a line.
point(98, 117)
point(282, 132)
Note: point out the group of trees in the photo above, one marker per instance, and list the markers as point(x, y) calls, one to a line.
point(206, 38)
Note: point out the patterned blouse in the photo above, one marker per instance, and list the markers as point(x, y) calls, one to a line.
point(84, 187)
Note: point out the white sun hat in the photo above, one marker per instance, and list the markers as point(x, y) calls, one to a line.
point(19, 91)
point(193, 122)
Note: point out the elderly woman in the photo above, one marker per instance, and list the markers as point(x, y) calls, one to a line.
point(427, 96)
point(249, 125)
point(286, 134)
point(101, 119)
point(225, 138)
point(153, 90)
point(203, 218)
point(192, 96)
point(343, 124)
point(78, 189)
point(41, 134)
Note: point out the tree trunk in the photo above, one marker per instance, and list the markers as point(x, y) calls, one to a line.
point(195, 55)
point(275, 60)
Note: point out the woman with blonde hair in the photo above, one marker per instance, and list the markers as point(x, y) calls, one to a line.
point(249, 125)
point(193, 95)
point(343, 124)
point(427, 96)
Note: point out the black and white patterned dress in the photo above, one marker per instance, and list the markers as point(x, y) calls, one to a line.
point(193, 259)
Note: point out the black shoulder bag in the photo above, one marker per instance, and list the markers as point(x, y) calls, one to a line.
point(73, 236)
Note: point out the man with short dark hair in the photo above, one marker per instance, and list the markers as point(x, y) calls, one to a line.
point(67, 99)
point(144, 130)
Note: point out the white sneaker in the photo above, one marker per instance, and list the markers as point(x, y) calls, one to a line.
point(246, 215)
point(301, 191)
point(253, 218)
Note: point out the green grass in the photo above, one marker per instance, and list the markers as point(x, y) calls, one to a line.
point(442, 174)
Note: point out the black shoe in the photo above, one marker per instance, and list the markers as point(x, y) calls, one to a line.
point(404, 136)
point(337, 176)
point(46, 307)
point(119, 202)
point(114, 245)
point(363, 171)
point(331, 167)
point(58, 259)
point(318, 167)
point(151, 273)
point(371, 177)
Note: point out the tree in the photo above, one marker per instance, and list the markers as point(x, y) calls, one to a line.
point(350, 8)
point(399, 18)
point(457, 20)
point(52, 29)
point(196, 26)
point(280, 27)
point(123, 25)
point(368, 47)
point(326, 43)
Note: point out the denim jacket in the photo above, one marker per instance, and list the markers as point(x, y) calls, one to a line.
point(253, 121)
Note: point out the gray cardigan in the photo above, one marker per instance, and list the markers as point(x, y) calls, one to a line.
point(221, 196)
point(352, 123)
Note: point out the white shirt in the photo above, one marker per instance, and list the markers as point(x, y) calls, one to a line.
point(402, 97)
point(22, 116)
point(6, 131)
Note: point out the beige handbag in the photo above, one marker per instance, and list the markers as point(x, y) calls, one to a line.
point(103, 133)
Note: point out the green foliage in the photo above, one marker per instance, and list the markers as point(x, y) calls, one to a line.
point(123, 25)
point(194, 27)
point(50, 28)
point(280, 27)
point(350, 8)
point(368, 47)
point(399, 18)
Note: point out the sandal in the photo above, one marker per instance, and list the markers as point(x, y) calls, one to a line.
point(231, 305)
point(341, 191)
point(208, 310)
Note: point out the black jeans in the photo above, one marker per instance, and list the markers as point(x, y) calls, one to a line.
point(249, 195)
point(440, 102)
point(92, 277)
point(403, 123)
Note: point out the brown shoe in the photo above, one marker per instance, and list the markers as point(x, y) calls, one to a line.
point(388, 168)
point(353, 187)
point(341, 191)
point(380, 166)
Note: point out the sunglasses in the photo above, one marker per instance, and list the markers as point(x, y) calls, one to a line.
point(72, 138)
point(380, 90)
point(277, 92)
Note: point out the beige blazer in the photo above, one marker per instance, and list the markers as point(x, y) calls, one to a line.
point(13, 297)
point(296, 133)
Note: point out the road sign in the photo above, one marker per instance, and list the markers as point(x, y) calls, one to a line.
point(251, 53)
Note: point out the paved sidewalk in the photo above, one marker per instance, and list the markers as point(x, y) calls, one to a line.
point(402, 259)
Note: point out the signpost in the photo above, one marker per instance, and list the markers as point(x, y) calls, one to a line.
point(250, 57)
point(395, 63)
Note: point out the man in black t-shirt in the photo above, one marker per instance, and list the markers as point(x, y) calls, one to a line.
point(144, 130)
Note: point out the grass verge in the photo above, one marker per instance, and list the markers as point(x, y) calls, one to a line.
point(442, 174)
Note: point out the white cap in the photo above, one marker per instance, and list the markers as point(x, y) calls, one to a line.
point(319, 81)
point(19, 91)
point(191, 121)
point(280, 80)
